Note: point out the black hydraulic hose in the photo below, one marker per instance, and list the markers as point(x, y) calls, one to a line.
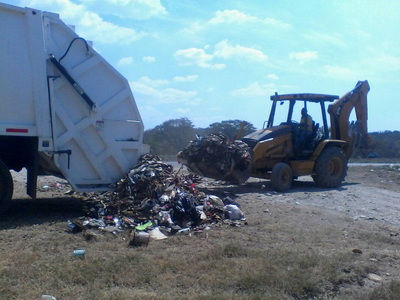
point(64, 72)
point(70, 44)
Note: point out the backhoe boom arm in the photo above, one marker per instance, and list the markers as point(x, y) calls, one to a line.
point(355, 134)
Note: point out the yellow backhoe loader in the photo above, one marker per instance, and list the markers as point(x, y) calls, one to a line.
point(286, 151)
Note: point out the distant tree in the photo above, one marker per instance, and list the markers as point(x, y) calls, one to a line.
point(170, 137)
point(385, 143)
point(230, 128)
point(202, 131)
point(173, 135)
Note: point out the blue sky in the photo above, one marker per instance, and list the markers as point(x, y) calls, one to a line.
point(213, 60)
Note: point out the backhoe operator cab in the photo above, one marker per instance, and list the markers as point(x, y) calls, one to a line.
point(284, 152)
point(303, 143)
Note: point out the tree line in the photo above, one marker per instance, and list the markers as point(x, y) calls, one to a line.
point(385, 143)
point(173, 135)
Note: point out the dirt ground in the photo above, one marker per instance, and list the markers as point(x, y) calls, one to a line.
point(359, 222)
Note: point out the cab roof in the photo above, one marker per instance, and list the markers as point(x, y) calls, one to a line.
point(305, 97)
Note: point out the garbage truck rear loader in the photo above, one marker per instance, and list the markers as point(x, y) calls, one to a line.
point(64, 110)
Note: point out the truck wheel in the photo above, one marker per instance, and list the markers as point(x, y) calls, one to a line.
point(330, 168)
point(6, 187)
point(281, 177)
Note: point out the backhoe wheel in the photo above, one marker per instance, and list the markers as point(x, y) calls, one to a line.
point(6, 187)
point(281, 179)
point(330, 168)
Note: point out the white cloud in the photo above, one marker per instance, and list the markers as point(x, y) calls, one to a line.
point(197, 57)
point(125, 61)
point(153, 83)
point(136, 9)
point(255, 90)
point(389, 62)
point(66, 8)
point(94, 28)
point(225, 50)
point(150, 110)
point(338, 72)
point(211, 89)
point(189, 78)
point(333, 39)
point(149, 59)
point(231, 16)
point(162, 96)
point(276, 23)
point(237, 17)
point(88, 24)
point(218, 66)
point(303, 57)
point(194, 102)
point(272, 76)
point(182, 110)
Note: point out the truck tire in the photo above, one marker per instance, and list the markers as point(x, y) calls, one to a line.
point(6, 187)
point(330, 168)
point(281, 177)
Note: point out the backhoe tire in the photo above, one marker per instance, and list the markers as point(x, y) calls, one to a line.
point(330, 168)
point(6, 187)
point(281, 177)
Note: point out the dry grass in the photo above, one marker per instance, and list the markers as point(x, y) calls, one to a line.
point(388, 291)
point(285, 252)
point(229, 264)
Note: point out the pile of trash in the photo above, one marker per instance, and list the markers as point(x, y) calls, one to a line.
point(215, 157)
point(154, 200)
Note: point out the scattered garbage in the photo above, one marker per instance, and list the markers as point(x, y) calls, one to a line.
point(57, 184)
point(73, 227)
point(156, 234)
point(356, 218)
point(184, 231)
point(374, 277)
point(373, 259)
point(144, 226)
point(48, 297)
point(153, 202)
point(79, 253)
point(233, 212)
point(215, 157)
point(140, 239)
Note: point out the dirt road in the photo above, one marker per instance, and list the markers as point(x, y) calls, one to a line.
point(370, 192)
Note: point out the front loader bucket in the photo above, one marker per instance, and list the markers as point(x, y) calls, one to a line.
point(240, 171)
point(215, 157)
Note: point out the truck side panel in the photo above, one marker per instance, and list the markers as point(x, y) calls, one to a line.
point(24, 97)
point(104, 142)
point(90, 146)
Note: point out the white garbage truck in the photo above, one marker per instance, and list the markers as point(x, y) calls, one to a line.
point(64, 110)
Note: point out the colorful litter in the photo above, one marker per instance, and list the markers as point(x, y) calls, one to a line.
point(154, 202)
